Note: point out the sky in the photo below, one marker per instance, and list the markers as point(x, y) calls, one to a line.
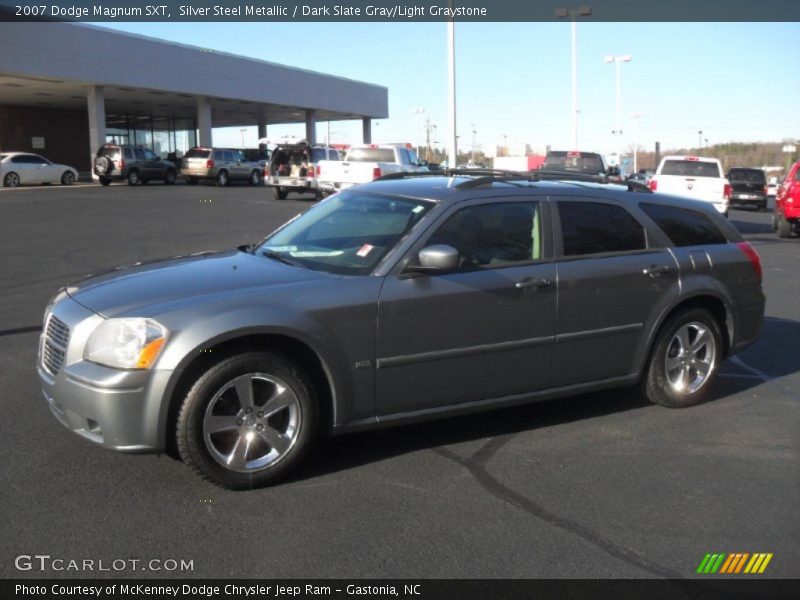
point(732, 81)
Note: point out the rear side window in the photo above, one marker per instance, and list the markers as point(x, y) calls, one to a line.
point(197, 153)
point(128, 153)
point(593, 228)
point(683, 226)
point(747, 175)
point(108, 151)
point(371, 155)
point(317, 154)
point(138, 153)
point(691, 168)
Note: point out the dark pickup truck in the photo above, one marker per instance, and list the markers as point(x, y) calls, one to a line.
point(586, 166)
point(748, 187)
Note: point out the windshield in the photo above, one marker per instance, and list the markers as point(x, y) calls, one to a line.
point(349, 233)
point(371, 155)
point(747, 175)
point(581, 162)
point(690, 168)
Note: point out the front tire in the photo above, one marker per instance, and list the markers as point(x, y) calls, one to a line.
point(68, 178)
point(685, 359)
point(248, 420)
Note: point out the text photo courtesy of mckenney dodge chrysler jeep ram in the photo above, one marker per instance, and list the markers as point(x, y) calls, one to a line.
point(404, 299)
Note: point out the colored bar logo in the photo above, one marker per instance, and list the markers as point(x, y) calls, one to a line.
point(735, 563)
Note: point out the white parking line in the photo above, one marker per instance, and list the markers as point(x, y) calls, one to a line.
point(48, 187)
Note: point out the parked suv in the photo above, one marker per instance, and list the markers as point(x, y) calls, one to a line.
point(220, 165)
point(748, 187)
point(292, 168)
point(404, 299)
point(787, 204)
point(133, 164)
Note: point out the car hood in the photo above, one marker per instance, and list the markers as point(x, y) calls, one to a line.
point(128, 290)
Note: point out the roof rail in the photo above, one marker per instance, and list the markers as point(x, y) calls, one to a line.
point(404, 174)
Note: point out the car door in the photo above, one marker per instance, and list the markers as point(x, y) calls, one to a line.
point(153, 162)
point(239, 168)
point(483, 331)
point(26, 168)
point(613, 282)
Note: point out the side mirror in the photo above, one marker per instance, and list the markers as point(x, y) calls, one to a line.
point(439, 257)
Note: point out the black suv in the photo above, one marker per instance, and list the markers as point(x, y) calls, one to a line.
point(748, 187)
point(134, 164)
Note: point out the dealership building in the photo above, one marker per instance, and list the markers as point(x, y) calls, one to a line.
point(66, 89)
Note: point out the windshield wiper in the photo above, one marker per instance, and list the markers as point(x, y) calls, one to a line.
point(281, 258)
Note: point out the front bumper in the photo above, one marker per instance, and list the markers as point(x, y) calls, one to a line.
point(120, 410)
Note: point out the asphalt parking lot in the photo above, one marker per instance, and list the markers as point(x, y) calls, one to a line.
point(602, 485)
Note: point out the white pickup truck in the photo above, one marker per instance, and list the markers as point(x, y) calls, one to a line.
point(366, 163)
point(694, 177)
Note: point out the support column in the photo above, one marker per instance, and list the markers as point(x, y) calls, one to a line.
point(96, 105)
point(262, 129)
point(203, 122)
point(366, 130)
point(311, 126)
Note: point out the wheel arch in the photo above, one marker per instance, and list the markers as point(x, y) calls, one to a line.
point(716, 304)
point(212, 351)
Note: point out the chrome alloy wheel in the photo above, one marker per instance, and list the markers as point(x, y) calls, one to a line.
point(690, 359)
point(252, 422)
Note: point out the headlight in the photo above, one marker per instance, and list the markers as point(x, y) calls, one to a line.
point(126, 343)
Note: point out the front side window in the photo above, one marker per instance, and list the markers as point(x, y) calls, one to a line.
point(349, 233)
point(683, 226)
point(594, 228)
point(493, 235)
point(128, 154)
point(139, 153)
point(150, 155)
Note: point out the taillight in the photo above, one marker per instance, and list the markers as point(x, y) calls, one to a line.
point(751, 253)
point(653, 184)
point(726, 191)
point(766, 191)
point(376, 172)
point(121, 164)
point(209, 164)
point(318, 171)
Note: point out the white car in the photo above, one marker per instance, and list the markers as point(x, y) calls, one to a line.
point(773, 186)
point(366, 163)
point(696, 177)
point(23, 168)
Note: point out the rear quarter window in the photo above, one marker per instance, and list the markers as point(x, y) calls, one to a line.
point(747, 175)
point(683, 226)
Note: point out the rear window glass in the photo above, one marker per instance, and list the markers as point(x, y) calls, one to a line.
point(683, 226)
point(197, 153)
point(317, 154)
point(594, 228)
point(3, 156)
point(747, 175)
point(371, 155)
point(581, 162)
point(691, 168)
point(108, 151)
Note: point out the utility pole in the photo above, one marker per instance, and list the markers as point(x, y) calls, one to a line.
point(561, 13)
point(452, 143)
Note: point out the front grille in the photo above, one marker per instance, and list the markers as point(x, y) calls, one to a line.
point(54, 349)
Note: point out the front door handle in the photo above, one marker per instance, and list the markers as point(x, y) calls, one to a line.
point(534, 282)
point(655, 270)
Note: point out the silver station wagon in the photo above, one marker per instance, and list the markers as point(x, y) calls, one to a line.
point(405, 299)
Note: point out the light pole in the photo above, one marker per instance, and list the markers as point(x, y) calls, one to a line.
point(618, 60)
point(561, 13)
point(700, 139)
point(419, 112)
point(636, 116)
point(474, 139)
point(452, 138)
point(243, 130)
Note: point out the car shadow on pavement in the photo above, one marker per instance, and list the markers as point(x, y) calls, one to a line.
point(748, 227)
point(354, 450)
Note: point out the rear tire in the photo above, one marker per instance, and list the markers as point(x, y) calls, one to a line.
point(191, 181)
point(222, 178)
point(255, 178)
point(105, 181)
point(279, 193)
point(170, 176)
point(11, 180)
point(685, 359)
point(133, 177)
point(227, 431)
point(784, 227)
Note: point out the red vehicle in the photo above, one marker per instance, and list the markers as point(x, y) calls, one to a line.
point(787, 204)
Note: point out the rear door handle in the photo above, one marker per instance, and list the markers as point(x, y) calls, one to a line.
point(533, 282)
point(655, 270)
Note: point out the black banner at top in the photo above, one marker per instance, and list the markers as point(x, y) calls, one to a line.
point(399, 10)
